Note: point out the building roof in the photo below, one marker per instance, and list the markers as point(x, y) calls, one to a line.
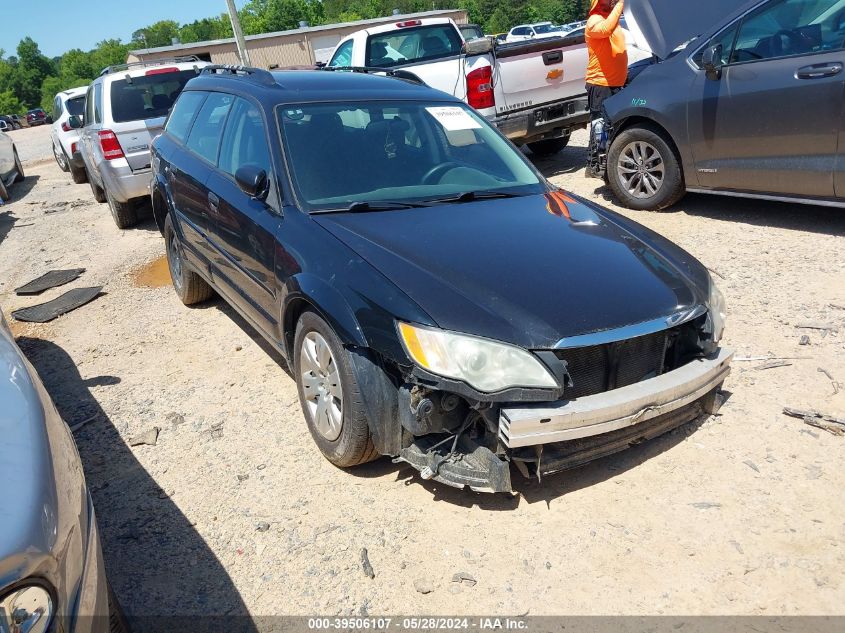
point(311, 29)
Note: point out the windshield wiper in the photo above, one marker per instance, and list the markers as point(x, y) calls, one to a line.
point(470, 196)
point(376, 205)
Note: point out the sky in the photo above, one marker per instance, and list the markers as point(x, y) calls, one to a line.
point(58, 26)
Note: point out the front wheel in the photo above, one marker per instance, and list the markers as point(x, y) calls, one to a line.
point(548, 147)
point(643, 171)
point(19, 175)
point(330, 394)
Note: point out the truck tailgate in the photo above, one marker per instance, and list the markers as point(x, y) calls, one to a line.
point(539, 72)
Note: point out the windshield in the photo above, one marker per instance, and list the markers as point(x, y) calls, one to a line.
point(149, 96)
point(342, 153)
point(543, 28)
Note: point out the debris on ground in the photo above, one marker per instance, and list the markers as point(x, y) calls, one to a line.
point(833, 382)
point(464, 578)
point(78, 425)
point(823, 421)
point(423, 586)
point(262, 527)
point(816, 325)
point(175, 420)
point(751, 465)
point(149, 438)
point(365, 564)
point(705, 505)
point(773, 365)
point(71, 300)
point(804, 340)
point(50, 279)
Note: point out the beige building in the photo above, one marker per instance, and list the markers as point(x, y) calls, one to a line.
point(298, 47)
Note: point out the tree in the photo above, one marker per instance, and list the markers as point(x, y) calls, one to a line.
point(76, 64)
point(9, 103)
point(107, 53)
point(159, 34)
point(206, 29)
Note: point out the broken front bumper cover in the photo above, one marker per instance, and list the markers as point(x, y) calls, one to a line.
point(537, 424)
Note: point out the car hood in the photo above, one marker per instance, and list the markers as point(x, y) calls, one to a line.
point(529, 270)
point(662, 25)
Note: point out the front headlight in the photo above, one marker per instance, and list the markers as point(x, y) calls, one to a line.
point(718, 311)
point(28, 608)
point(483, 364)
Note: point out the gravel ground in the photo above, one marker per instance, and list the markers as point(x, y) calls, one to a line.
point(235, 511)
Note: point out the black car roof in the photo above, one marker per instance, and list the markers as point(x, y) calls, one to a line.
point(299, 86)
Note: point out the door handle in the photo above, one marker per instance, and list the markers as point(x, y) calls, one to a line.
point(213, 201)
point(819, 71)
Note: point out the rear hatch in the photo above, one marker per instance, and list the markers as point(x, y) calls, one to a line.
point(430, 51)
point(661, 26)
point(140, 102)
point(530, 74)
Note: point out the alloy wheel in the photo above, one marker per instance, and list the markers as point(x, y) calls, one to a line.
point(321, 386)
point(174, 259)
point(641, 169)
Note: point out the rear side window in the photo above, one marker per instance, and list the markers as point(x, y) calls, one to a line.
point(245, 142)
point(57, 107)
point(422, 43)
point(98, 103)
point(75, 106)
point(149, 96)
point(184, 111)
point(207, 130)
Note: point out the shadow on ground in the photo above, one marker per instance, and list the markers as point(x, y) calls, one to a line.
point(143, 532)
point(20, 190)
point(7, 223)
point(568, 161)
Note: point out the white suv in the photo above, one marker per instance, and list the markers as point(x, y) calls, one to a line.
point(125, 109)
point(66, 139)
point(525, 32)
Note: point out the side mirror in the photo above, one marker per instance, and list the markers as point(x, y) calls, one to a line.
point(253, 181)
point(711, 61)
point(74, 122)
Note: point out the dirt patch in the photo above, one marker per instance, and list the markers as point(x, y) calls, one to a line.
point(154, 274)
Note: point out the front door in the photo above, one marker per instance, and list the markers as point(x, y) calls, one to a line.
point(769, 124)
point(244, 228)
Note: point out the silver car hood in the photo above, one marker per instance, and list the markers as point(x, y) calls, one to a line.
point(662, 25)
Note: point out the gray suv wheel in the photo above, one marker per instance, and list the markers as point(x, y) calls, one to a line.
point(643, 170)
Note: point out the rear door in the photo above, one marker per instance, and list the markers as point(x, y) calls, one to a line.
point(138, 107)
point(192, 166)
point(770, 123)
point(244, 228)
point(92, 153)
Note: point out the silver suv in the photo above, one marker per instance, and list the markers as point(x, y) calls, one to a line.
point(125, 109)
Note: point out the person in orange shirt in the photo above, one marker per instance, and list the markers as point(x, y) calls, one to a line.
point(607, 67)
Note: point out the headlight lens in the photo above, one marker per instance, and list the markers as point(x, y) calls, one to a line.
point(28, 608)
point(483, 364)
point(718, 311)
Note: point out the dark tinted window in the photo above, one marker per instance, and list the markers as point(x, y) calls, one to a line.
point(148, 96)
point(75, 106)
point(245, 142)
point(187, 105)
point(413, 44)
point(208, 127)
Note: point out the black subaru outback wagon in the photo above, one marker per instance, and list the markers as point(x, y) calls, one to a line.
point(436, 299)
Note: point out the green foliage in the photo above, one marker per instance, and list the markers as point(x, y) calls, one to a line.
point(216, 28)
point(159, 34)
point(10, 104)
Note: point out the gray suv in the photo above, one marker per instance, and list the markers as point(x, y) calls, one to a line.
point(125, 108)
point(753, 107)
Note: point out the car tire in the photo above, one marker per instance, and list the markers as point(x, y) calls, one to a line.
point(4, 192)
point(643, 170)
point(330, 394)
point(124, 213)
point(78, 174)
point(99, 194)
point(61, 159)
point(548, 147)
point(19, 175)
point(188, 285)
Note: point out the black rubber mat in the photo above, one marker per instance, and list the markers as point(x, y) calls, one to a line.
point(71, 300)
point(49, 280)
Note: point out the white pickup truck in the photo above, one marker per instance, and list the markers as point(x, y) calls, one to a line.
point(532, 91)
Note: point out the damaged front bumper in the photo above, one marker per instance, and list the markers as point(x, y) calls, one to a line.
point(552, 437)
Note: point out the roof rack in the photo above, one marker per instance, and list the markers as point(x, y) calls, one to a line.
point(264, 77)
point(151, 62)
point(398, 73)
